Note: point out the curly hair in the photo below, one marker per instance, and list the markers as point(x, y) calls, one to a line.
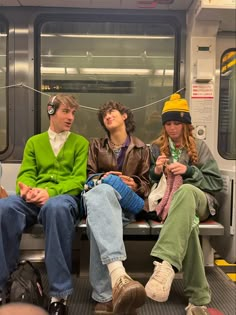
point(112, 105)
point(188, 142)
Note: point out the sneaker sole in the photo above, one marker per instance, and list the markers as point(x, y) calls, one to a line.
point(129, 300)
point(200, 312)
point(154, 297)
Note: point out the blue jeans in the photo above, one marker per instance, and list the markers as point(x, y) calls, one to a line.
point(58, 217)
point(105, 220)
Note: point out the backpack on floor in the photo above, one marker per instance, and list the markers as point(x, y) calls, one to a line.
point(26, 285)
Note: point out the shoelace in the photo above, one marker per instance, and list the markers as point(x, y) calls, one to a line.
point(161, 273)
point(122, 281)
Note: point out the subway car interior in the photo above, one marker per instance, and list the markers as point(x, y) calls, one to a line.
point(137, 53)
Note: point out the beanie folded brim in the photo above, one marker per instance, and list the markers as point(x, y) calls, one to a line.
point(183, 117)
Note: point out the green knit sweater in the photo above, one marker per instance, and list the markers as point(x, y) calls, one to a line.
point(64, 174)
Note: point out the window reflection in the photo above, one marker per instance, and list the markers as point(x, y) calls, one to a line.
point(132, 63)
point(227, 112)
point(3, 116)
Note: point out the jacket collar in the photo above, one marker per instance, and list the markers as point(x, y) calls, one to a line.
point(134, 142)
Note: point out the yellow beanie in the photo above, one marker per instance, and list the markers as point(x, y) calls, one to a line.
point(176, 109)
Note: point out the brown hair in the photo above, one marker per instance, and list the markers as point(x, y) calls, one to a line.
point(188, 142)
point(109, 106)
point(58, 99)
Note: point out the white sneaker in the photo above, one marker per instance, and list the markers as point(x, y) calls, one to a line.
point(196, 310)
point(159, 284)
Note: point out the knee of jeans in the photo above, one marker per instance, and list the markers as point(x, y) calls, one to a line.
point(101, 189)
point(5, 211)
point(101, 193)
point(55, 208)
point(9, 216)
point(7, 205)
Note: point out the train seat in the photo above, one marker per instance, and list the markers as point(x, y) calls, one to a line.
point(134, 228)
point(151, 229)
point(208, 227)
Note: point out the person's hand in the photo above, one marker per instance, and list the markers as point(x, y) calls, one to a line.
point(113, 173)
point(38, 196)
point(129, 181)
point(161, 161)
point(24, 189)
point(177, 168)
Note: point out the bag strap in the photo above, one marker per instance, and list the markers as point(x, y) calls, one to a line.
point(155, 151)
point(36, 271)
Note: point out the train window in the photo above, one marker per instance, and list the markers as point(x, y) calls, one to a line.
point(227, 108)
point(127, 61)
point(3, 115)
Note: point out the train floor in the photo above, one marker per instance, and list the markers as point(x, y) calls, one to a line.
point(223, 294)
point(229, 269)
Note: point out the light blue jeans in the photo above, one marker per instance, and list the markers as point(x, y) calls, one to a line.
point(58, 217)
point(105, 221)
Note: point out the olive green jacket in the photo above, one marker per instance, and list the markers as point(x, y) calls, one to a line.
point(205, 175)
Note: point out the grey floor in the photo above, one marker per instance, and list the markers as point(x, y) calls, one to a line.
point(223, 295)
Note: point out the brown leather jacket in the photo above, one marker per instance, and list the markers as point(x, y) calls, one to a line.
point(136, 163)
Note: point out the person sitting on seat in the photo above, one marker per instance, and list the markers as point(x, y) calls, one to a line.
point(184, 158)
point(49, 183)
point(128, 158)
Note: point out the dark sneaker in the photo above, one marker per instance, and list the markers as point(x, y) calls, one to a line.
point(58, 308)
point(5, 295)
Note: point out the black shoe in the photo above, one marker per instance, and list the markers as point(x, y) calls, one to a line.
point(57, 308)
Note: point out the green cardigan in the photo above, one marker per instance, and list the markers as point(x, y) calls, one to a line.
point(64, 174)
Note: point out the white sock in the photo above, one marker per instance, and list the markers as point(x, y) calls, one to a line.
point(116, 270)
point(58, 299)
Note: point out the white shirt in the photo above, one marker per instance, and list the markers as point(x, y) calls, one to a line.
point(57, 140)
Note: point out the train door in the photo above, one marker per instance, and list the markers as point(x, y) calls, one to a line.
point(226, 145)
point(210, 83)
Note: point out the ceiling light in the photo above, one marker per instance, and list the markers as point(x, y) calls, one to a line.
point(52, 70)
point(71, 71)
point(103, 36)
point(167, 72)
point(115, 71)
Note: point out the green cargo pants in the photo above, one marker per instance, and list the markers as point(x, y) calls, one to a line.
point(179, 243)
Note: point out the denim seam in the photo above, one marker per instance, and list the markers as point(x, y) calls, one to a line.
point(61, 294)
point(95, 298)
point(110, 260)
